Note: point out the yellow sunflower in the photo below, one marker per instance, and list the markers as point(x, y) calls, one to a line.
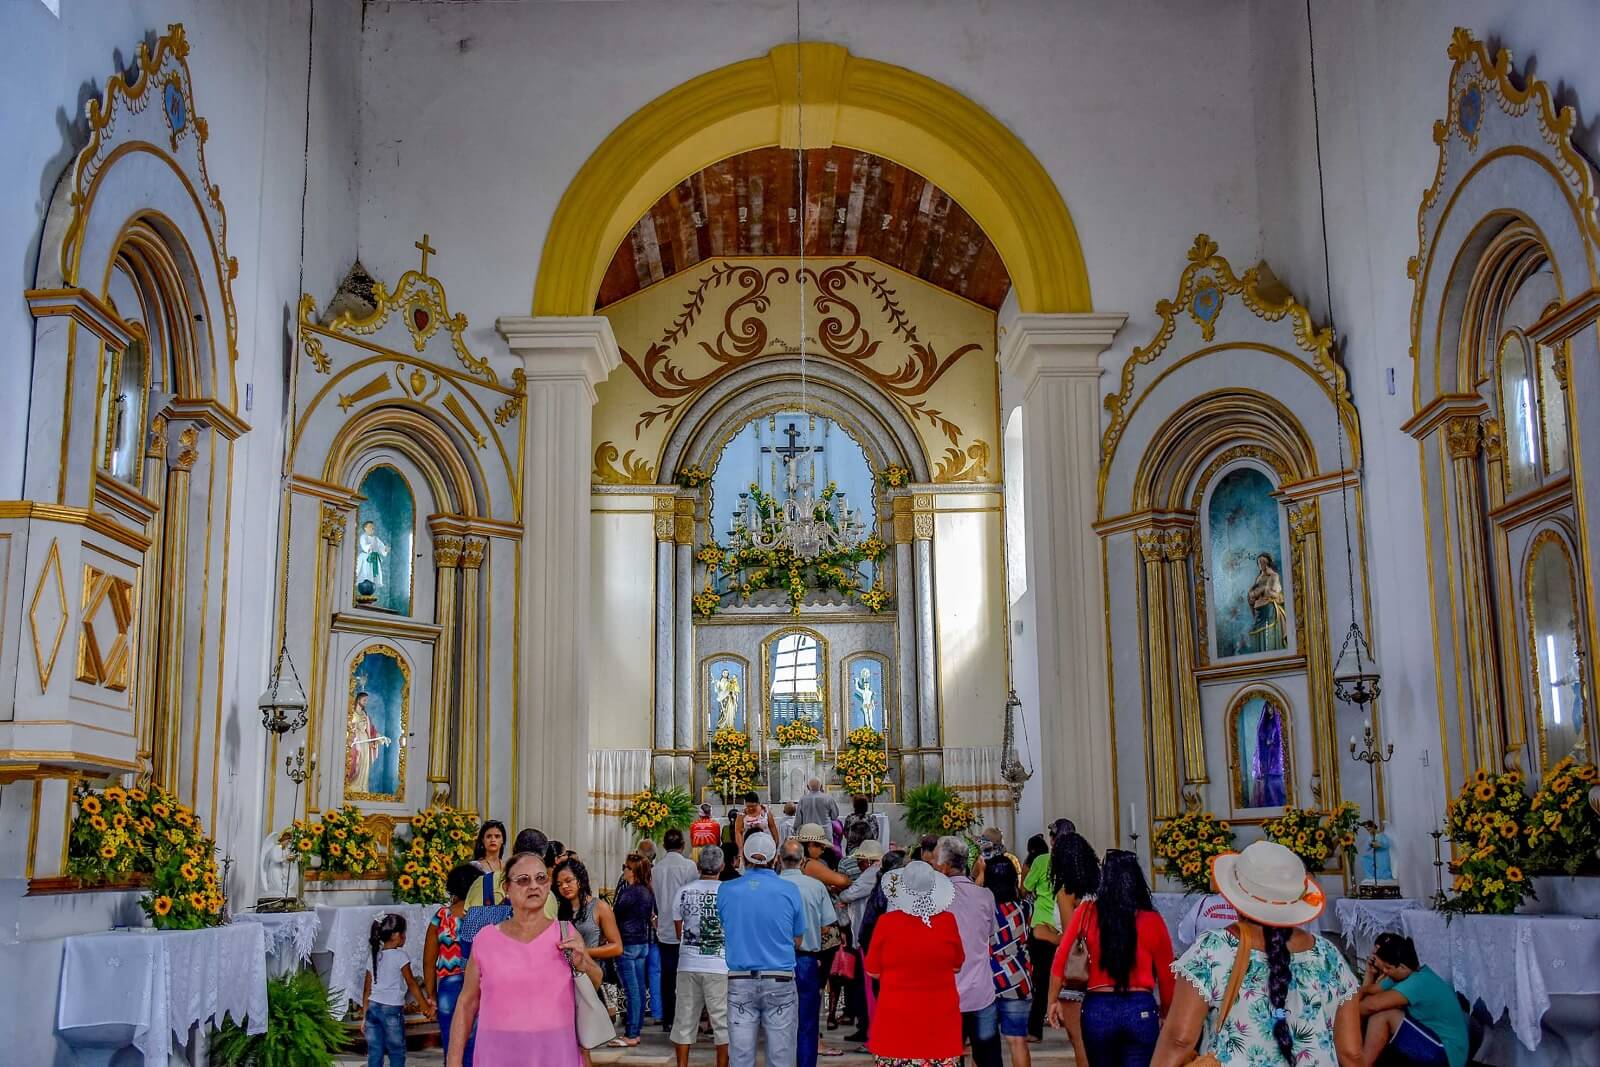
point(405, 881)
point(137, 795)
point(116, 795)
point(98, 822)
point(161, 810)
point(188, 872)
point(108, 852)
point(162, 905)
point(1513, 874)
point(334, 848)
point(197, 900)
point(1485, 791)
point(90, 804)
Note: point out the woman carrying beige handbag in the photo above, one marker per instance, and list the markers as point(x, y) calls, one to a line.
point(593, 1020)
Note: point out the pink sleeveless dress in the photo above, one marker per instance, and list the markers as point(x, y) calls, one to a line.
point(526, 1015)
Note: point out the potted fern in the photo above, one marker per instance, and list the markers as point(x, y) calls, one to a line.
point(301, 1028)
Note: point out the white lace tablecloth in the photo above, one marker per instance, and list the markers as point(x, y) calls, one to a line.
point(163, 981)
point(343, 934)
point(1513, 963)
point(1361, 921)
point(291, 936)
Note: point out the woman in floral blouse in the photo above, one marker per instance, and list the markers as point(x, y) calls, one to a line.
point(1296, 1000)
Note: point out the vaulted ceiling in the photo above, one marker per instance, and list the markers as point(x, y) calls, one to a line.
point(857, 204)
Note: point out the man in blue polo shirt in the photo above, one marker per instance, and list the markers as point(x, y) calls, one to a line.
point(763, 920)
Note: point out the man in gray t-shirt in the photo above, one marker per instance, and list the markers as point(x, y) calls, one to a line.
point(817, 807)
point(702, 968)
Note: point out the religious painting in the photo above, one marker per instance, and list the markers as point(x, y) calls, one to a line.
point(796, 683)
point(375, 729)
point(1258, 738)
point(386, 525)
point(1552, 620)
point(866, 684)
point(1245, 542)
point(723, 693)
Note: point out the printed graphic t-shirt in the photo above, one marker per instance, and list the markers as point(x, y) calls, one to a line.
point(700, 947)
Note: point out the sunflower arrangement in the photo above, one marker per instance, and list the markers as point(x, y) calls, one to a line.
point(440, 839)
point(797, 732)
point(340, 841)
point(122, 832)
point(650, 813)
point(1188, 843)
point(894, 476)
point(1562, 829)
point(862, 765)
point(1486, 823)
point(691, 477)
point(1314, 834)
point(732, 765)
point(935, 808)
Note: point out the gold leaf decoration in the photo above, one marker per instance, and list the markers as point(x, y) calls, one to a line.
point(635, 469)
point(969, 466)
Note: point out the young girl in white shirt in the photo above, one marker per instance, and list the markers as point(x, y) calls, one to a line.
point(383, 1000)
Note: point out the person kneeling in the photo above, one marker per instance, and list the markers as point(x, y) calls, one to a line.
point(1411, 1015)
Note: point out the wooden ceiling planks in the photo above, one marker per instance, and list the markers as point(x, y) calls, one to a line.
point(858, 204)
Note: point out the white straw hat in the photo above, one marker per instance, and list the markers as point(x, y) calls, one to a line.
point(1268, 884)
point(919, 890)
point(868, 850)
point(812, 834)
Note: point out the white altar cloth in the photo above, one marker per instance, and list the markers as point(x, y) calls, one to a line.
point(291, 936)
point(1513, 963)
point(1361, 921)
point(160, 981)
point(344, 933)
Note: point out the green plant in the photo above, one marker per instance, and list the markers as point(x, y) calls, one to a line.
point(935, 808)
point(1562, 829)
point(119, 833)
point(301, 1028)
point(650, 813)
point(1486, 831)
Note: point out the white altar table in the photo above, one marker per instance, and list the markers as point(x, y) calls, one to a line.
point(1361, 921)
point(139, 987)
point(343, 936)
point(291, 935)
point(1514, 964)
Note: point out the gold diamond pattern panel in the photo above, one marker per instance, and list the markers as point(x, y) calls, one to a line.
point(105, 644)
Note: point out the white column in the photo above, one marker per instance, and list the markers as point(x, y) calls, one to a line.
point(683, 615)
point(564, 358)
point(1055, 362)
point(906, 642)
point(930, 737)
point(665, 627)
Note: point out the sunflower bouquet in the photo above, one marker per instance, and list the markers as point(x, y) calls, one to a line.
point(650, 813)
point(120, 832)
point(935, 808)
point(732, 765)
point(1188, 843)
point(1313, 834)
point(797, 732)
point(1562, 829)
point(862, 765)
point(1486, 823)
point(440, 839)
point(340, 842)
point(894, 476)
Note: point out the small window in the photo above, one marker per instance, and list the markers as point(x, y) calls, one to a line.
point(1519, 406)
point(796, 673)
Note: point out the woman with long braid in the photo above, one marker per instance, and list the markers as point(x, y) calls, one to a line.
point(1262, 991)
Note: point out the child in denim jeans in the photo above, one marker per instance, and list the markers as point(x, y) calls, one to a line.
point(383, 999)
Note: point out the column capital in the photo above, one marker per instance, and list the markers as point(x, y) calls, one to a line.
point(557, 348)
point(1034, 345)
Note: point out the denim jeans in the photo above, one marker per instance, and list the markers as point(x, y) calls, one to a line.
point(631, 969)
point(808, 1000)
point(385, 1031)
point(1120, 1029)
point(982, 1028)
point(653, 977)
point(667, 1005)
point(1014, 1015)
point(449, 989)
point(762, 1005)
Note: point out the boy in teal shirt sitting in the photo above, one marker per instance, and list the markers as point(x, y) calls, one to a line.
point(1411, 1015)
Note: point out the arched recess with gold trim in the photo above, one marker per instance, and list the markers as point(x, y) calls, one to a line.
point(850, 101)
point(1220, 471)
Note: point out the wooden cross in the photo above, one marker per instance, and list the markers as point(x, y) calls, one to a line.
point(791, 450)
point(426, 249)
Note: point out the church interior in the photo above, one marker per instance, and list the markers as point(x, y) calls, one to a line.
point(1174, 417)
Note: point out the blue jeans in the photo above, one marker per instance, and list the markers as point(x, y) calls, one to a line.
point(1014, 1012)
point(757, 1005)
point(1120, 1029)
point(808, 994)
point(631, 969)
point(982, 1028)
point(445, 997)
point(385, 1031)
point(653, 976)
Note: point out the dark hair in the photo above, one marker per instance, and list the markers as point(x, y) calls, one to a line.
point(1000, 878)
point(640, 868)
point(859, 804)
point(929, 843)
point(554, 851)
point(1397, 950)
point(672, 840)
point(1063, 826)
point(478, 851)
point(895, 857)
point(1073, 866)
point(568, 909)
point(752, 797)
point(383, 928)
point(531, 840)
point(1036, 847)
point(458, 883)
point(858, 832)
point(1278, 979)
point(1123, 893)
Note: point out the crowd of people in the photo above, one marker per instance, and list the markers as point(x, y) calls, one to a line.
point(778, 932)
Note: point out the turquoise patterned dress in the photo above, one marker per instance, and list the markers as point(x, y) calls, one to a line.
point(1320, 982)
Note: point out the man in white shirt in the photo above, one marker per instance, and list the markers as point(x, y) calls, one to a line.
point(702, 972)
point(819, 912)
point(670, 875)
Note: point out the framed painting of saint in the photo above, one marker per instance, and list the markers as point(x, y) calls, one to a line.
point(725, 691)
point(386, 524)
point(866, 684)
point(376, 725)
point(1259, 754)
point(1244, 546)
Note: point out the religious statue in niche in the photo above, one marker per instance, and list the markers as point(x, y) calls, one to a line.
point(387, 523)
point(1260, 762)
point(380, 692)
point(725, 694)
point(1245, 543)
point(865, 674)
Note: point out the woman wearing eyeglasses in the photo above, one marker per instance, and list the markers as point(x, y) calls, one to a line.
point(524, 952)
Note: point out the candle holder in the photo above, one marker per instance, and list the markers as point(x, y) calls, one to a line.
point(1371, 756)
point(1439, 899)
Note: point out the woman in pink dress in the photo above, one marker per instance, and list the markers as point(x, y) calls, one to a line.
point(517, 1026)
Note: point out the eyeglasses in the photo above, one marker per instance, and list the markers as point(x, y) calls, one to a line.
point(523, 881)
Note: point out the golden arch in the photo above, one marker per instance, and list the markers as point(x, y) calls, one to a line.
point(849, 101)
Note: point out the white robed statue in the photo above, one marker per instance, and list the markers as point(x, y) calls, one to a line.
point(370, 555)
point(726, 691)
point(868, 698)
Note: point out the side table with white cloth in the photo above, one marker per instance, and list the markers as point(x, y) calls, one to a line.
point(140, 987)
point(343, 938)
point(1361, 921)
point(1541, 973)
point(291, 935)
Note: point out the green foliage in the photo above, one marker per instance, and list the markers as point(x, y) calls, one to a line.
point(929, 808)
point(301, 1028)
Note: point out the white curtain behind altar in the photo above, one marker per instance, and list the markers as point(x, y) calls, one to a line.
point(975, 774)
point(615, 775)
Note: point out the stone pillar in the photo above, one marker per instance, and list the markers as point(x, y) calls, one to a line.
point(683, 626)
point(469, 778)
point(446, 564)
point(1055, 362)
point(665, 635)
point(1180, 601)
point(1463, 435)
point(182, 451)
point(563, 359)
point(906, 637)
point(1154, 547)
point(929, 735)
point(1311, 613)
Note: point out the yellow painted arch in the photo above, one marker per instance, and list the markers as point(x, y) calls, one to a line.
point(849, 101)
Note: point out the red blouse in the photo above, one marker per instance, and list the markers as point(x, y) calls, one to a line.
point(1152, 957)
point(919, 1013)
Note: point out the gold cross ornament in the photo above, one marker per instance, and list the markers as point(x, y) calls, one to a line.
point(426, 249)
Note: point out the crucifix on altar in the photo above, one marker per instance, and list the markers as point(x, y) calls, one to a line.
point(788, 453)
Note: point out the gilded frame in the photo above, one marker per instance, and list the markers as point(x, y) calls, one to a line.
point(822, 681)
point(1231, 722)
point(1547, 536)
point(399, 796)
point(888, 710)
point(703, 729)
point(411, 570)
point(1288, 563)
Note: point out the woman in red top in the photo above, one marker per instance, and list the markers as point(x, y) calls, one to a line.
point(1130, 963)
point(915, 953)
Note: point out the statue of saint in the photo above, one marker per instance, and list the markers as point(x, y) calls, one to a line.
point(1375, 865)
point(726, 691)
point(868, 699)
point(1265, 598)
point(362, 747)
point(370, 553)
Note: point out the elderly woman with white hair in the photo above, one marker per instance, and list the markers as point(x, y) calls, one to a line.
point(915, 954)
